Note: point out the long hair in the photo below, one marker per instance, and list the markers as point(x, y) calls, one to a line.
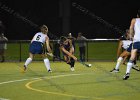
point(62, 39)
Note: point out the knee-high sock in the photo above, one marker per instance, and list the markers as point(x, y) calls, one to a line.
point(47, 63)
point(129, 66)
point(118, 62)
point(28, 61)
point(72, 62)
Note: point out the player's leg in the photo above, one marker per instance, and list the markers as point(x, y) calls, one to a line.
point(124, 60)
point(69, 61)
point(83, 53)
point(119, 61)
point(136, 48)
point(46, 62)
point(135, 66)
point(2, 55)
point(130, 63)
point(72, 61)
point(28, 61)
point(80, 52)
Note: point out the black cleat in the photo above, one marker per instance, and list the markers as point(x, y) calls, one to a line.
point(23, 69)
point(114, 70)
point(49, 71)
point(126, 76)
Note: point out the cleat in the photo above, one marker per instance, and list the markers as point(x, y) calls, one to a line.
point(135, 67)
point(50, 71)
point(72, 69)
point(126, 76)
point(23, 69)
point(114, 70)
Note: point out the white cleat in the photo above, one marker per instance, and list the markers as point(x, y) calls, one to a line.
point(72, 69)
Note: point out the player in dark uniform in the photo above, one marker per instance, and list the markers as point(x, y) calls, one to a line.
point(68, 51)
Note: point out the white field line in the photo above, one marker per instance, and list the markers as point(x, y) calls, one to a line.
point(20, 80)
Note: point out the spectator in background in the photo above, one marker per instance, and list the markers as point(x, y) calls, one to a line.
point(3, 40)
point(3, 46)
point(2, 27)
point(56, 50)
point(82, 46)
point(72, 39)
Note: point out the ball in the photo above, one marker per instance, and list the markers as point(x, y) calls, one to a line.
point(89, 65)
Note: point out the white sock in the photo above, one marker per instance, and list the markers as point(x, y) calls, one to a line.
point(28, 61)
point(47, 63)
point(118, 62)
point(129, 66)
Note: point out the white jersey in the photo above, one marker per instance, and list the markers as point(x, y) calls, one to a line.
point(126, 44)
point(137, 30)
point(40, 37)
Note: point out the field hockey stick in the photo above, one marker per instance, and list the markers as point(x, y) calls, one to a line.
point(83, 63)
point(137, 69)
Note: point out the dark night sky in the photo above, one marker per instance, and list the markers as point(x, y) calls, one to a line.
point(116, 12)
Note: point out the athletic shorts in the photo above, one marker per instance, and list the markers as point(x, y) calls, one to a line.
point(36, 47)
point(136, 45)
point(129, 48)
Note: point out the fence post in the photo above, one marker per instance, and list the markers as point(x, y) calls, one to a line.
point(87, 50)
point(19, 51)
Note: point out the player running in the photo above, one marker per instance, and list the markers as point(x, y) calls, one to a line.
point(68, 51)
point(135, 33)
point(37, 47)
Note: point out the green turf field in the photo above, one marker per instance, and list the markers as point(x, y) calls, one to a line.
point(95, 83)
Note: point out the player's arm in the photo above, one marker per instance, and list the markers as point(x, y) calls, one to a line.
point(68, 53)
point(48, 45)
point(131, 28)
point(32, 39)
point(71, 47)
point(119, 48)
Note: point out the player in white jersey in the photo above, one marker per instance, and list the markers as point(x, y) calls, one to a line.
point(135, 34)
point(37, 47)
point(124, 45)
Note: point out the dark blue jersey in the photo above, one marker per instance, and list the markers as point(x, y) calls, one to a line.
point(66, 46)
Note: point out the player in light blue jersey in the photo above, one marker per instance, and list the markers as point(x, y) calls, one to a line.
point(37, 47)
point(135, 35)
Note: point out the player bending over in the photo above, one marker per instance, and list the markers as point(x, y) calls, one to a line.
point(68, 51)
point(126, 44)
point(37, 47)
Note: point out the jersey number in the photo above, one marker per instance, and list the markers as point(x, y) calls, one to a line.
point(38, 37)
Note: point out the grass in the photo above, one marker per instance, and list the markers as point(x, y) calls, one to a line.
point(95, 83)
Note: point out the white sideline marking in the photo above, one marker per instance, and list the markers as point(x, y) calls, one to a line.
point(13, 81)
point(4, 99)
